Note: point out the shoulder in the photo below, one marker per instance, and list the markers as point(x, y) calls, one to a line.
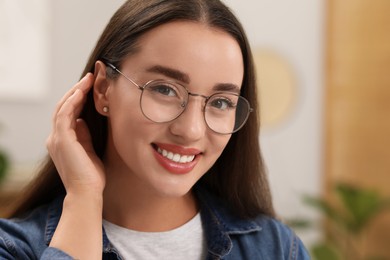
point(278, 240)
point(231, 237)
point(28, 236)
point(273, 228)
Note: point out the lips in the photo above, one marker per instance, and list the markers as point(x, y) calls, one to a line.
point(176, 159)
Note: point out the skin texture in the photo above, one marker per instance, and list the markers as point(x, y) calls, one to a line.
point(139, 188)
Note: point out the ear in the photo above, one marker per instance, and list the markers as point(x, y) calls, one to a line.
point(100, 88)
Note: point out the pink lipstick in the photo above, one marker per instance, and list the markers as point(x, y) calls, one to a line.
point(176, 159)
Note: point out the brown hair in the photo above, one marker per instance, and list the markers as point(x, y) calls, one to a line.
point(238, 176)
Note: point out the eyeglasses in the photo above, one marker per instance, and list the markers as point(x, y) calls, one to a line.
point(163, 101)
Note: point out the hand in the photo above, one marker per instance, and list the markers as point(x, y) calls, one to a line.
point(70, 145)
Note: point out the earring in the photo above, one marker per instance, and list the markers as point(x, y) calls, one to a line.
point(105, 109)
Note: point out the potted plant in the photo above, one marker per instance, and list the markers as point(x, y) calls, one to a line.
point(347, 219)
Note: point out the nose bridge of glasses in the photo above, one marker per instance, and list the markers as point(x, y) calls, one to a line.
point(199, 95)
point(193, 114)
point(196, 95)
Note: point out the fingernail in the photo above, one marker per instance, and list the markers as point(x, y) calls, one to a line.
point(86, 76)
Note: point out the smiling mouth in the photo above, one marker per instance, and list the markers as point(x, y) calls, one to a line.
point(175, 157)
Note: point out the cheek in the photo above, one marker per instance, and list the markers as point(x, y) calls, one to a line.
point(131, 137)
point(128, 124)
point(218, 143)
point(124, 107)
point(126, 121)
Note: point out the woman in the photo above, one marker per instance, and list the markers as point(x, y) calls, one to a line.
point(157, 143)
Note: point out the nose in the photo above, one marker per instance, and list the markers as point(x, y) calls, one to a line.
point(190, 125)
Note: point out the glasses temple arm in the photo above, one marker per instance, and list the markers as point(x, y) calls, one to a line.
point(118, 71)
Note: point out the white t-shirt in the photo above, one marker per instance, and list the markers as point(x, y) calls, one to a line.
point(185, 242)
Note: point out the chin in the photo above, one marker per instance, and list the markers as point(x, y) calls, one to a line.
point(174, 191)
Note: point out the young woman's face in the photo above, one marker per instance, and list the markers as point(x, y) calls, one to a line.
point(201, 59)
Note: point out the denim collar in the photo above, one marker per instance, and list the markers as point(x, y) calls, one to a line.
point(53, 217)
point(218, 222)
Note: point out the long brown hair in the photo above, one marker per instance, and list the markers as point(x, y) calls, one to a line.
point(238, 177)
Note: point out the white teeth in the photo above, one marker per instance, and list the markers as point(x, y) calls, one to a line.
point(176, 157)
point(183, 159)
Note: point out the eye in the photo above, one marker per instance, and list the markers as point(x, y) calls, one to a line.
point(221, 103)
point(164, 89)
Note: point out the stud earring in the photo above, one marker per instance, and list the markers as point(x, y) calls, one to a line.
point(105, 109)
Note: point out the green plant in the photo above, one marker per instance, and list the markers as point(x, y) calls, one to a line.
point(347, 221)
point(4, 164)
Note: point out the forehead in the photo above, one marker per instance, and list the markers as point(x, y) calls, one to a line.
point(194, 48)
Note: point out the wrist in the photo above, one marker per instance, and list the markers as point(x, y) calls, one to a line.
point(91, 200)
point(79, 231)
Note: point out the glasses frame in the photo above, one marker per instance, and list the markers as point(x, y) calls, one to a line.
point(184, 104)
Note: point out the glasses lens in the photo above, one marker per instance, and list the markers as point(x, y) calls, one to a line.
point(163, 101)
point(226, 113)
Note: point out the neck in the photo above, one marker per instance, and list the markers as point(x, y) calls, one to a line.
point(130, 205)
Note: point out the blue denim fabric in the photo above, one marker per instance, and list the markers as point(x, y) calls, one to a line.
point(228, 237)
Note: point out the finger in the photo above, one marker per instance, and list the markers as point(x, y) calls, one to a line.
point(69, 112)
point(61, 119)
point(84, 85)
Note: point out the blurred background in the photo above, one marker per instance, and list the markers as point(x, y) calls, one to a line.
point(324, 78)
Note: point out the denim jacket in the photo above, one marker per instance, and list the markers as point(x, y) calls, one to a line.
point(227, 236)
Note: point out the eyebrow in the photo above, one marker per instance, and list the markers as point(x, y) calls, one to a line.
point(171, 73)
point(185, 78)
point(228, 87)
